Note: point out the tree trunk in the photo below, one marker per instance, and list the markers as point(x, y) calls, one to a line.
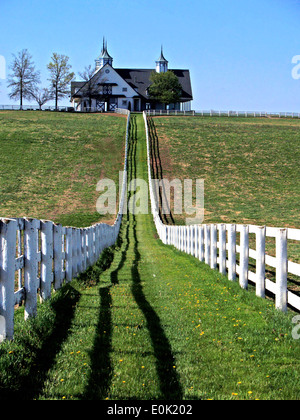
point(21, 97)
point(56, 99)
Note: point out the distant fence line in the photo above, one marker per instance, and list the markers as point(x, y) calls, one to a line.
point(36, 255)
point(217, 246)
point(212, 113)
point(36, 108)
point(152, 112)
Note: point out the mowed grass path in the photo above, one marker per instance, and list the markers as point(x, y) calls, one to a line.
point(148, 322)
point(51, 163)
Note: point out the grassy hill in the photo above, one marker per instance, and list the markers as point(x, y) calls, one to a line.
point(250, 166)
point(51, 163)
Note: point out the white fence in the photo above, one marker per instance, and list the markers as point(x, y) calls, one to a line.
point(212, 113)
point(37, 256)
point(59, 108)
point(36, 108)
point(217, 246)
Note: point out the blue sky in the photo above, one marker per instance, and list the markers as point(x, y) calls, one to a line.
point(239, 52)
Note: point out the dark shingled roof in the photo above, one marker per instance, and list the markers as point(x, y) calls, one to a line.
point(75, 86)
point(139, 79)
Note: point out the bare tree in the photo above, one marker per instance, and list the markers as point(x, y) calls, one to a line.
point(42, 96)
point(60, 76)
point(90, 89)
point(24, 77)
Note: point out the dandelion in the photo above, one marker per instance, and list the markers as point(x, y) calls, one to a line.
point(234, 394)
point(62, 380)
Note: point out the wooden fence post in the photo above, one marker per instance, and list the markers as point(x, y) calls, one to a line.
point(213, 245)
point(244, 256)
point(232, 252)
point(260, 261)
point(201, 243)
point(281, 270)
point(94, 242)
point(180, 238)
point(188, 233)
point(207, 243)
point(74, 253)
point(46, 259)
point(8, 238)
point(222, 249)
point(31, 231)
point(177, 237)
point(69, 255)
point(196, 241)
point(57, 255)
point(193, 250)
point(78, 251)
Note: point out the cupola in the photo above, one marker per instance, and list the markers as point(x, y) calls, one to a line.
point(161, 63)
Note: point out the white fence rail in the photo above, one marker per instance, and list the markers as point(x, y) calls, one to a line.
point(38, 255)
point(36, 108)
point(217, 246)
point(212, 113)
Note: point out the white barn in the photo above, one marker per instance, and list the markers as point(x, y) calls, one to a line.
point(110, 88)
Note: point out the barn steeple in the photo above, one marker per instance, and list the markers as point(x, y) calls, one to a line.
point(161, 63)
point(104, 58)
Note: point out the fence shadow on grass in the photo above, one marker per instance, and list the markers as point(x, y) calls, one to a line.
point(41, 344)
point(170, 386)
point(114, 274)
point(101, 366)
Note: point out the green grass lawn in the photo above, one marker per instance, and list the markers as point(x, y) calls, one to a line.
point(51, 163)
point(250, 166)
point(148, 322)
